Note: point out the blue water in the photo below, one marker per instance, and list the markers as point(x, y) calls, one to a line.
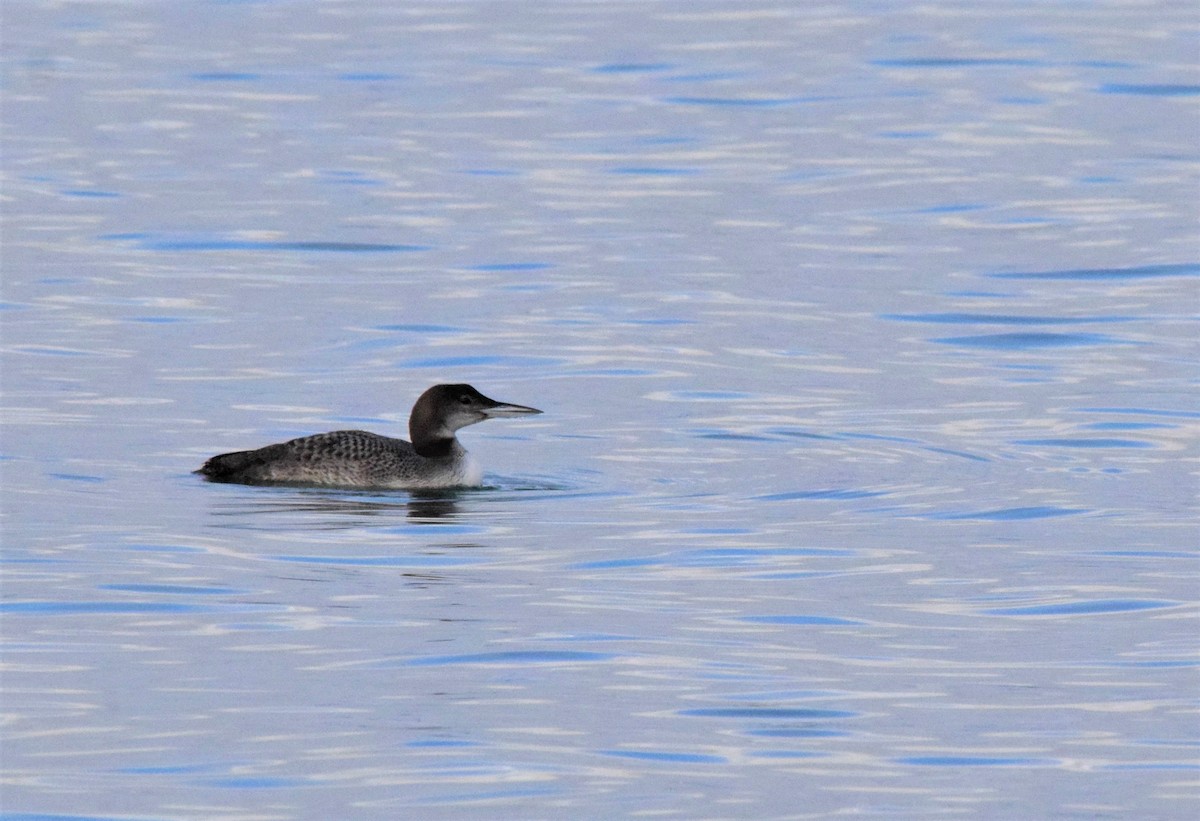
point(866, 340)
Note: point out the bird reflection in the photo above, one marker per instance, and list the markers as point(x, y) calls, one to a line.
point(340, 510)
point(432, 506)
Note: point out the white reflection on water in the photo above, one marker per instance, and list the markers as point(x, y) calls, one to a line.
point(866, 344)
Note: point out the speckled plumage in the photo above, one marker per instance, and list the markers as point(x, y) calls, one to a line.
point(346, 458)
point(358, 458)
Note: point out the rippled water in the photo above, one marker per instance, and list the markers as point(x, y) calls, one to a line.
point(865, 336)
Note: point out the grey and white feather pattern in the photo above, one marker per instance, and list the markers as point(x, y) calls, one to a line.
point(358, 458)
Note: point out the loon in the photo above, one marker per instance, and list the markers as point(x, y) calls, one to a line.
point(358, 459)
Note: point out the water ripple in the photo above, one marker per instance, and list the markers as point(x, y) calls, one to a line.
point(975, 761)
point(1085, 443)
point(1082, 608)
point(1003, 319)
point(821, 495)
point(801, 620)
point(666, 757)
point(743, 102)
point(479, 360)
point(632, 68)
point(953, 62)
point(71, 608)
point(379, 561)
point(1012, 514)
point(1187, 269)
point(173, 589)
point(801, 713)
point(1151, 89)
point(150, 242)
point(511, 657)
point(1144, 412)
point(1014, 342)
point(260, 782)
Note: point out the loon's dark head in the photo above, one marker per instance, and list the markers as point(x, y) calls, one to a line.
point(443, 409)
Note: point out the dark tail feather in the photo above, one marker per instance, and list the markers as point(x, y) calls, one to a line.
point(233, 467)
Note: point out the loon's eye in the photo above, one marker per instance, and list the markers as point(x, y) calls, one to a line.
point(464, 399)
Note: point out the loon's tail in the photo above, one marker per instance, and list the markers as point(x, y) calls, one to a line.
point(233, 467)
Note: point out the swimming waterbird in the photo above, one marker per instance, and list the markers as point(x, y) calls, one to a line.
point(356, 458)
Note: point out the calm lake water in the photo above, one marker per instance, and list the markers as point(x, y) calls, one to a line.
point(866, 339)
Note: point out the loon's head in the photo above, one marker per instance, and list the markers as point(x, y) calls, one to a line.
point(443, 409)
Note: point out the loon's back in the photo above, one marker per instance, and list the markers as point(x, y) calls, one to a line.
point(345, 458)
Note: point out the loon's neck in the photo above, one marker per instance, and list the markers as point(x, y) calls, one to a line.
point(440, 447)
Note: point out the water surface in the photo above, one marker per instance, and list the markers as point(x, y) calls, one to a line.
point(865, 336)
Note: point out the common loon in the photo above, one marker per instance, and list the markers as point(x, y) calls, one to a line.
point(356, 458)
